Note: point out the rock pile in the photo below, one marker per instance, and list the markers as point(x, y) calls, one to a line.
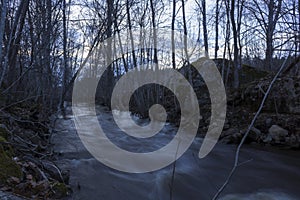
point(278, 124)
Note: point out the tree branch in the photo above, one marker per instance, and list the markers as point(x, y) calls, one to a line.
point(236, 161)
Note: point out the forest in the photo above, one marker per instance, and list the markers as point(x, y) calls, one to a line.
point(222, 76)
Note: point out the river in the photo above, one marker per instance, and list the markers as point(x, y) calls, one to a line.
point(266, 174)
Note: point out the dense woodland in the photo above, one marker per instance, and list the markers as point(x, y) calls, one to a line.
point(45, 44)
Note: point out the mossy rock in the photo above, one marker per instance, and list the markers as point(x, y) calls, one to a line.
point(8, 168)
point(60, 190)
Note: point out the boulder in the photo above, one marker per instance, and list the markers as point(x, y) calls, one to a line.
point(254, 135)
point(230, 131)
point(277, 133)
point(293, 141)
point(231, 136)
point(268, 122)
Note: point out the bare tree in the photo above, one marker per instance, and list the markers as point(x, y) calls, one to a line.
point(217, 29)
point(236, 28)
point(65, 55)
point(267, 14)
point(2, 29)
point(235, 44)
point(153, 15)
point(14, 41)
point(130, 32)
point(202, 8)
point(172, 34)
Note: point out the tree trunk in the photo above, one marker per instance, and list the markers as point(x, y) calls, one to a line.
point(172, 34)
point(130, 33)
point(2, 29)
point(65, 67)
point(273, 15)
point(205, 28)
point(110, 74)
point(235, 46)
point(14, 40)
point(155, 58)
point(217, 30)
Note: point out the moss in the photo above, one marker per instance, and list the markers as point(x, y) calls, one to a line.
point(60, 190)
point(3, 132)
point(6, 148)
point(8, 168)
point(2, 139)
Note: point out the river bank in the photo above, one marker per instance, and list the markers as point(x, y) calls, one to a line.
point(26, 155)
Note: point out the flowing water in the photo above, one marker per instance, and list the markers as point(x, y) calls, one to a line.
point(265, 174)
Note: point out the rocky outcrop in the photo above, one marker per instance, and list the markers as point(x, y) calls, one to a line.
point(280, 117)
point(283, 98)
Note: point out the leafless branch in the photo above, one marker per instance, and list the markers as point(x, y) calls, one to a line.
point(236, 161)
